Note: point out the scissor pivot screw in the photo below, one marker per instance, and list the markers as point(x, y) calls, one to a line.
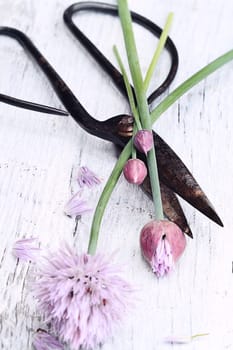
point(125, 126)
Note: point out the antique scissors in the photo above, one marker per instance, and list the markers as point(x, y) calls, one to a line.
point(175, 178)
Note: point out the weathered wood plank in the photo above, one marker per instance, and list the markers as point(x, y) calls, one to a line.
point(40, 154)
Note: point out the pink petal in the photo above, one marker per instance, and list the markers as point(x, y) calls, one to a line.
point(25, 249)
point(45, 341)
point(87, 177)
point(76, 206)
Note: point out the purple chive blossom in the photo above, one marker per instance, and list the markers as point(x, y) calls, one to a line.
point(143, 141)
point(162, 243)
point(44, 341)
point(76, 206)
point(82, 296)
point(162, 261)
point(25, 249)
point(86, 177)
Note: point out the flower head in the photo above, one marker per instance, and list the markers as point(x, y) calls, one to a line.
point(162, 243)
point(45, 341)
point(25, 249)
point(76, 206)
point(143, 141)
point(135, 171)
point(87, 177)
point(82, 296)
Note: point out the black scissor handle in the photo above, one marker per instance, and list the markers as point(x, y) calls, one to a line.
point(31, 105)
point(107, 129)
point(67, 97)
point(102, 60)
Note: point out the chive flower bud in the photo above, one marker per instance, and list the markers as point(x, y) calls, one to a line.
point(135, 171)
point(143, 141)
point(162, 243)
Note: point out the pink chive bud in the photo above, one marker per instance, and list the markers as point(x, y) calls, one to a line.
point(162, 243)
point(135, 171)
point(143, 141)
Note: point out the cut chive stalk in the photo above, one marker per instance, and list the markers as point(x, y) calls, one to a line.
point(128, 88)
point(105, 195)
point(142, 105)
point(134, 152)
point(137, 124)
point(189, 83)
point(159, 49)
point(199, 335)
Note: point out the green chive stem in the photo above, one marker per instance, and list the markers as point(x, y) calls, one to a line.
point(137, 124)
point(128, 88)
point(134, 152)
point(135, 69)
point(199, 335)
point(160, 46)
point(189, 83)
point(104, 198)
point(161, 108)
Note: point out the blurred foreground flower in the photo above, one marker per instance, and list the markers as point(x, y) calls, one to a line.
point(143, 141)
point(44, 341)
point(135, 171)
point(76, 206)
point(82, 296)
point(87, 177)
point(162, 243)
point(25, 249)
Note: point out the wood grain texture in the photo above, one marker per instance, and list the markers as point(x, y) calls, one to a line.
point(40, 155)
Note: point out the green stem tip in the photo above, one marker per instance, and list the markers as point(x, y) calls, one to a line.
point(158, 51)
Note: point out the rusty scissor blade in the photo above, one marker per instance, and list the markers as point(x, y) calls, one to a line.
point(171, 206)
point(175, 175)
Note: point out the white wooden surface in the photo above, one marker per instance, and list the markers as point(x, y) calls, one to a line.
point(39, 157)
